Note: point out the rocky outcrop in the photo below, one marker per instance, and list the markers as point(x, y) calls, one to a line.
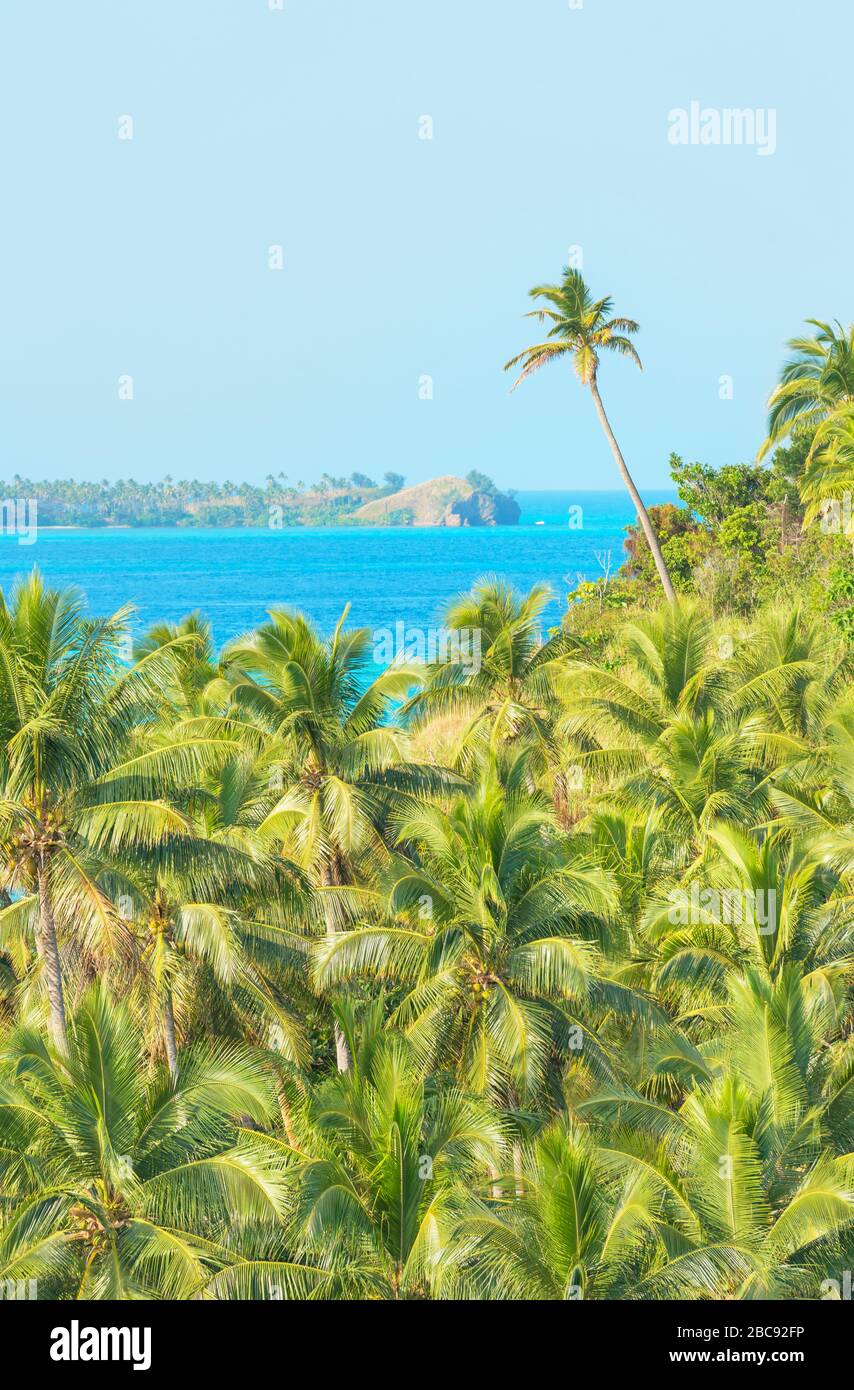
point(423, 504)
point(482, 509)
point(445, 501)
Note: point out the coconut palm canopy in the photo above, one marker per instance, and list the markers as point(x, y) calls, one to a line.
point(531, 981)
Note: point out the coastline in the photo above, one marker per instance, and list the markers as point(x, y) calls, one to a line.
point(235, 574)
point(546, 507)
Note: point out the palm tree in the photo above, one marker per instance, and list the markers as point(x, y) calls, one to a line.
point(582, 328)
point(57, 672)
point(814, 384)
point(206, 944)
point(673, 727)
point(121, 1183)
point(577, 1228)
point(69, 715)
point(219, 922)
point(505, 689)
point(340, 767)
point(758, 1155)
point(658, 666)
point(828, 475)
point(381, 1171)
point(198, 688)
point(492, 931)
point(755, 903)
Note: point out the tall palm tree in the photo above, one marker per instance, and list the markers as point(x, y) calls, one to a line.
point(814, 384)
point(582, 328)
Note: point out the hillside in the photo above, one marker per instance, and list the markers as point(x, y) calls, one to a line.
point(423, 504)
point(444, 501)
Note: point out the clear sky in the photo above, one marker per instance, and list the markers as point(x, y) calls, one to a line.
point(256, 126)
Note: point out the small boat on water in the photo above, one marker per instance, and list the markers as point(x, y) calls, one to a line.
point(539, 523)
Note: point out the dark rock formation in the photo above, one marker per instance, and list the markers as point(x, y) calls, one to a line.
point(482, 509)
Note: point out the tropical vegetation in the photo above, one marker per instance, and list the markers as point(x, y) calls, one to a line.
point(525, 978)
point(188, 502)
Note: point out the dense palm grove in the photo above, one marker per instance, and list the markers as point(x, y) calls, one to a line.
point(532, 981)
point(185, 502)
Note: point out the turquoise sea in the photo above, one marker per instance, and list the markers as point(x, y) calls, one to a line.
point(387, 575)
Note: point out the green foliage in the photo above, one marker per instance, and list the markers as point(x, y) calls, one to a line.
point(749, 535)
point(568, 1019)
point(526, 974)
point(788, 463)
point(741, 532)
point(188, 503)
point(480, 482)
point(840, 599)
point(713, 494)
point(684, 544)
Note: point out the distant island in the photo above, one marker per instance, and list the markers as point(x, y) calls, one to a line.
point(445, 501)
point(354, 501)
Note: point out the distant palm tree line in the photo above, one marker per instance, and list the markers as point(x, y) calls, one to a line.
point(188, 503)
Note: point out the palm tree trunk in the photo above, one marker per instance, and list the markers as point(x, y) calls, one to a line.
point(169, 1034)
point(287, 1118)
point(643, 515)
point(517, 1168)
point(48, 950)
point(331, 876)
point(343, 1060)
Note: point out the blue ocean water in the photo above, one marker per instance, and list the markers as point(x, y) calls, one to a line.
point(387, 575)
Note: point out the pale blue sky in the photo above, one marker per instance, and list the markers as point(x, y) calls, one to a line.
point(402, 257)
